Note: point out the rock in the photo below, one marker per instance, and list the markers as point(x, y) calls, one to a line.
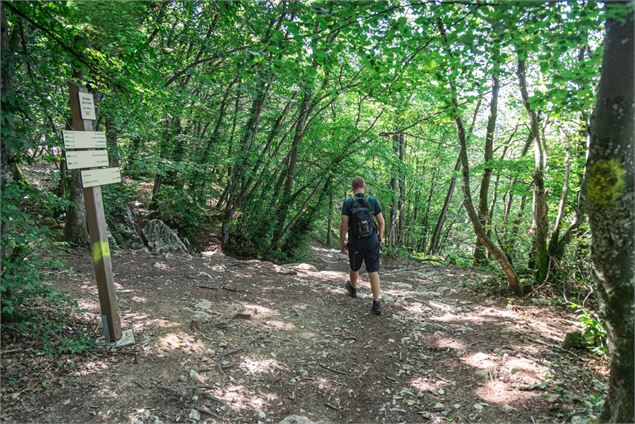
point(124, 229)
point(478, 406)
point(194, 376)
point(162, 239)
point(111, 240)
point(480, 356)
point(195, 415)
point(143, 416)
point(203, 305)
point(303, 267)
point(201, 316)
point(260, 414)
point(297, 419)
point(438, 406)
point(508, 409)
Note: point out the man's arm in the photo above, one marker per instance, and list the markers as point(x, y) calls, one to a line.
point(343, 230)
point(381, 225)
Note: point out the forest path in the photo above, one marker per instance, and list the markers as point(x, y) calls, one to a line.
point(220, 339)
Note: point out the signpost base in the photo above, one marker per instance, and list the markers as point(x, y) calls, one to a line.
point(127, 339)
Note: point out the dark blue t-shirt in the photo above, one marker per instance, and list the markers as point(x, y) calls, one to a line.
point(346, 210)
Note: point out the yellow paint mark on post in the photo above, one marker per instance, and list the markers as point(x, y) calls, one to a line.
point(606, 182)
point(101, 249)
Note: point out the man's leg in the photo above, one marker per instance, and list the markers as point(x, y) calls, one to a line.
point(372, 266)
point(353, 276)
point(374, 284)
point(355, 262)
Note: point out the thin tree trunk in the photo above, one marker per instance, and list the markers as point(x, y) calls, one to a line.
point(425, 222)
point(479, 249)
point(540, 197)
point(556, 249)
point(510, 273)
point(112, 135)
point(435, 243)
point(433, 249)
point(329, 225)
point(402, 190)
point(394, 185)
point(610, 198)
point(236, 179)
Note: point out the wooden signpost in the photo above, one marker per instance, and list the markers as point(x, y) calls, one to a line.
point(95, 155)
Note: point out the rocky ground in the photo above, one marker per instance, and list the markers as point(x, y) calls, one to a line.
point(225, 340)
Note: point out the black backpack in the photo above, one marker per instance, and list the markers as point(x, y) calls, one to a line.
point(361, 220)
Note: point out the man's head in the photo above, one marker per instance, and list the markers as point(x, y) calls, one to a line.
point(358, 185)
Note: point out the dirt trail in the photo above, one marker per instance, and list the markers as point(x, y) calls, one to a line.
point(224, 340)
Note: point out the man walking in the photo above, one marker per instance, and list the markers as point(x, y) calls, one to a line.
point(364, 238)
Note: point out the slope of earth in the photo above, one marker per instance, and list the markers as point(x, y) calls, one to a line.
point(225, 340)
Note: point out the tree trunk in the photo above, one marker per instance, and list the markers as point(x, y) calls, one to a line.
point(402, 191)
point(330, 217)
point(610, 199)
point(236, 180)
point(394, 184)
point(492, 249)
point(435, 243)
point(112, 135)
point(556, 247)
point(540, 197)
point(8, 144)
point(75, 229)
point(425, 222)
point(433, 249)
point(479, 250)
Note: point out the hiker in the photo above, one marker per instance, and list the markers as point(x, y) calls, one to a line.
point(364, 238)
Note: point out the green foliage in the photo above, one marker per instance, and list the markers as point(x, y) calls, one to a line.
point(49, 326)
point(593, 330)
point(118, 197)
point(25, 240)
point(178, 208)
point(31, 308)
point(257, 112)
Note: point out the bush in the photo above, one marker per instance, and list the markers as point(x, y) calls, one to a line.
point(593, 330)
point(30, 307)
point(179, 209)
point(24, 236)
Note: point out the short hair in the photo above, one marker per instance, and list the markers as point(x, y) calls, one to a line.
point(358, 182)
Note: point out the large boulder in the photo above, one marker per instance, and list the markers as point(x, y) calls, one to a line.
point(162, 239)
point(124, 229)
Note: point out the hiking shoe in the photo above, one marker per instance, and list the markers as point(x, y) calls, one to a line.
point(352, 291)
point(377, 307)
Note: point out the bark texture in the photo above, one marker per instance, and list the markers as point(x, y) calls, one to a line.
point(483, 211)
point(541, 228)
point(611, 202)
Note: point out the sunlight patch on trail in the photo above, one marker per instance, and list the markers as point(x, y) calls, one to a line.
point(498, 392)
point(255, 366)
point(91, 367)
point(180, 341)
point(239, 398)
point(422, 384)
point(447, 343)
